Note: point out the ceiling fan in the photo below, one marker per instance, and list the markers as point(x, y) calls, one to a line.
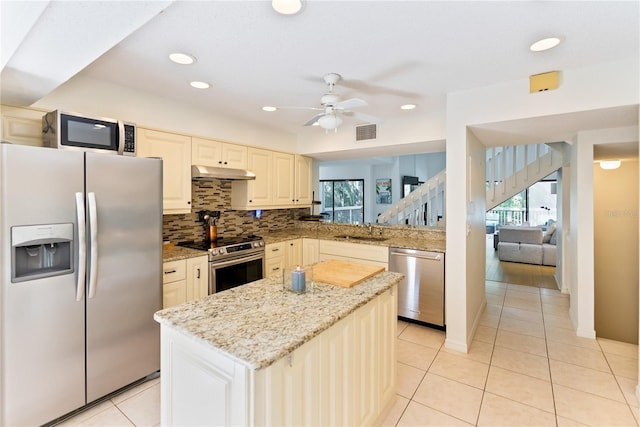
point(333, 107)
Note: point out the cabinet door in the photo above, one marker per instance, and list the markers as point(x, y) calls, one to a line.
point(310, 251)
point(303, 180)
point(206, 152)
point(283, 166)
point(175, 152)
point(234, 156)
point(260, 162)
point(293, 253)
point(21, 126)
point(337, 370)
point(366, 367)
point(174, 293)
point(388, 307)
point(197, 278)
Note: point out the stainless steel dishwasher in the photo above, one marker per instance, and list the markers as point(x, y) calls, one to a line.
point(421, 292)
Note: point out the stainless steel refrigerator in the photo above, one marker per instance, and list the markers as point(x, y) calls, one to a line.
point(81, 261)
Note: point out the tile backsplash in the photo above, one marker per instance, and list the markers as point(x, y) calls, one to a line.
point(216, 196)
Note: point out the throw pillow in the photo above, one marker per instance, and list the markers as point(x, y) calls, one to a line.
point(547, 236)
point(554, 238)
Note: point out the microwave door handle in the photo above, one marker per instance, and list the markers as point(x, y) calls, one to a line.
point(93, 229)
point(82, 246)
point(120, 137)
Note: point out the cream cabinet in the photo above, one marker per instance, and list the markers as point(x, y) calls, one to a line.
point(197, 277)
point(274, 259)
point(310, 251)
point(293, 252)
point(356, 252)
point(257, 193)
point(283, 184)
point(283, 180)
point(302, 180)
point(207, 152)
point(184, 280)
point(346, 375)
point(175, 152)
point(282, 254)
point(174, 283)
point(21, 126)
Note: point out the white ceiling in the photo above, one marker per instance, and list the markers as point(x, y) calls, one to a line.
point(388, 52)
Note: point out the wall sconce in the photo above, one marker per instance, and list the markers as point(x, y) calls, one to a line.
point(609, 164)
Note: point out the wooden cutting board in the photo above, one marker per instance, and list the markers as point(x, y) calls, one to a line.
point(343, 273)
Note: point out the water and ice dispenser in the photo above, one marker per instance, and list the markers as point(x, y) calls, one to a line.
point(41, 251)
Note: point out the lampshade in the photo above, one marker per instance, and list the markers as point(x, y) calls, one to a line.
point(329, 121)
point(610, 164)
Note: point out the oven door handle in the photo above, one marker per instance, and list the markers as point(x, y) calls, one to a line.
point(240, 260)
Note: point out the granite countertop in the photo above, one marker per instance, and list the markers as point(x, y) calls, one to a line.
point(176, 253)
point(433, 244)
point(259, 323)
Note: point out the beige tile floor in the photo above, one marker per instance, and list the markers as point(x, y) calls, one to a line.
point(525, 367)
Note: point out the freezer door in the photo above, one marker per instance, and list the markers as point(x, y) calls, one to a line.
point(125, 289)
point(42, 324)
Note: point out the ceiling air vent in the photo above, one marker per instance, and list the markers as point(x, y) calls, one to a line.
point(366, 132)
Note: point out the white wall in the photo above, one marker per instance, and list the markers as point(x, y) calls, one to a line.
point(350, 170)
point(94, 97)
point(512, 101)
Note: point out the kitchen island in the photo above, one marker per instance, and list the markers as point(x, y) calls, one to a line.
point(260, 355)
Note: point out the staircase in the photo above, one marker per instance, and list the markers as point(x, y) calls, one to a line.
point(510, 169)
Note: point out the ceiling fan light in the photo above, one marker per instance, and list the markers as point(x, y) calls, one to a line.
point(329, 121)
point(609, 164)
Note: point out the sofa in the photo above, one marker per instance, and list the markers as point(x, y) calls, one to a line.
point(530, 245)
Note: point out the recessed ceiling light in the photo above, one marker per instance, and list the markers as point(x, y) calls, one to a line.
point(182, 58)
point(287, 7)
point(545, 44)
point(407, 107)
point(200, 85)
point(269, 108)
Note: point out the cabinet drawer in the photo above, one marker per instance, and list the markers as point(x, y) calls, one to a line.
point(173, 271)
point(274, 250)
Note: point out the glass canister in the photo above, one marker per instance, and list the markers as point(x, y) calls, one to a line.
point(298, 279)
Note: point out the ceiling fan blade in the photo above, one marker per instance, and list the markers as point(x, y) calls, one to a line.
point(350, 103)
point(313, 119)
point(366, 117)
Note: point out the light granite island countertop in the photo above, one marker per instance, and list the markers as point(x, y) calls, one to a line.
point(240, 346)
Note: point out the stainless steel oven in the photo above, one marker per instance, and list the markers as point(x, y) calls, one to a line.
point(233, 261)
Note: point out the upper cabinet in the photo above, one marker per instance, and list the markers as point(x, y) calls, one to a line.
point(21, 126)
point(207, 152)
point(175, 152)
point(302, 180)
point(283, 180)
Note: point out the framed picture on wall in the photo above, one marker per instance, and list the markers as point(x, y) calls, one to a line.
point(383, 191)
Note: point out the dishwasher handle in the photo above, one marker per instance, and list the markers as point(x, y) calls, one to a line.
point(416, 254)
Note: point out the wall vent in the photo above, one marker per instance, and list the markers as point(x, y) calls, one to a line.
point(366, 132)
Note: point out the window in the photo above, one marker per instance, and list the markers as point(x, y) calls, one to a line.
point(342, 200)
point(535, 205)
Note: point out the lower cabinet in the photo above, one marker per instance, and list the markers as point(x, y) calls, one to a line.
point(184, 280)
point(310, 251)
point(344, 376)
point(356, 252)
point(282, 254)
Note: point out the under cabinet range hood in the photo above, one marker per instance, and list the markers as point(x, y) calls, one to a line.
point(211, 173)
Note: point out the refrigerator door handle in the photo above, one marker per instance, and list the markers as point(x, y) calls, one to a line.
point(82, 246)
point(93, 229)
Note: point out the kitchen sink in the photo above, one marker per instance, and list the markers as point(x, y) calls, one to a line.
point(363, 238)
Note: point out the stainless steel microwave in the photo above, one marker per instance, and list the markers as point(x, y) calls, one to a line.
point(77, 132)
